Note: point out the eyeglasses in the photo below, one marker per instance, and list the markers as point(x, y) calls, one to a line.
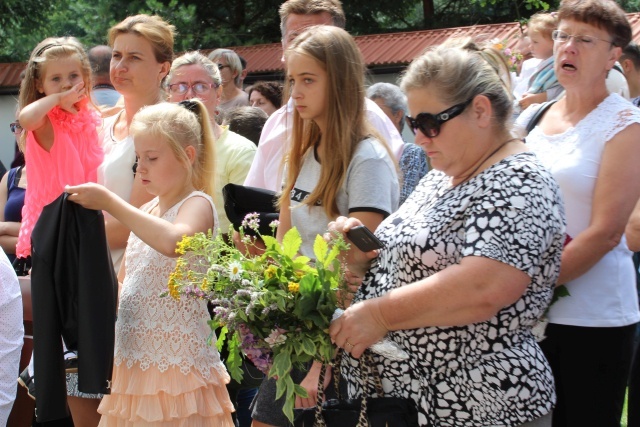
point(222, 67)
point(587, 41)
point(430, 124)
point(198, 88)
point(15, 127)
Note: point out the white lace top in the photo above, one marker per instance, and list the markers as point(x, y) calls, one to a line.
point(605, 296)
point(158, 331)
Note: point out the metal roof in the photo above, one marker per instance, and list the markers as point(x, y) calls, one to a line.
point(379, 50)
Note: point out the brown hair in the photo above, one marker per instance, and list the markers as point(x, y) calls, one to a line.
point(336, 52)
point(604, 14)
point(155, 30)
point(312, 7)
point(270, 90)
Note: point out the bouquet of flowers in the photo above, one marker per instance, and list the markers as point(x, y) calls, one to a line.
point(512, 57)
point(275, 307)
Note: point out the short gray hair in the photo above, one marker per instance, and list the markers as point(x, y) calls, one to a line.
point(233, 60)
point(391, 94)
point(196, 58)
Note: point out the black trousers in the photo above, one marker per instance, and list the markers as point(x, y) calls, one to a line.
point(590, 367)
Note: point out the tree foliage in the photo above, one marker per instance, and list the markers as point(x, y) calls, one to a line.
point(206, 24)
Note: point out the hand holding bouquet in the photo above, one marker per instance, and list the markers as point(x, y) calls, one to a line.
point(276, 307)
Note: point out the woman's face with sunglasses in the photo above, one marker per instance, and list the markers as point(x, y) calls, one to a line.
point(441, 129)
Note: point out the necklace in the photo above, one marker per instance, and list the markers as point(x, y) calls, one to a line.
point(470, 175)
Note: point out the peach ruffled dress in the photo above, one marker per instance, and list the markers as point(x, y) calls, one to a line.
point(73, 159)
point(165, 374)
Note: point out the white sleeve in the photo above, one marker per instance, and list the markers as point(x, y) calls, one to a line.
point(384, 125)
point(266, 168)
point(11, 336)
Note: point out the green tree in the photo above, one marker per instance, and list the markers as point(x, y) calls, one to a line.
point(204, 24)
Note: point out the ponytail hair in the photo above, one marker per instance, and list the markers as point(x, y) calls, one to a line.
point(182, 125)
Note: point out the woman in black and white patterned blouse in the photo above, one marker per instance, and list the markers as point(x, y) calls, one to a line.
point(470, 259)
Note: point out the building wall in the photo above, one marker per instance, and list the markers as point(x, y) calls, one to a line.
point(8, 104)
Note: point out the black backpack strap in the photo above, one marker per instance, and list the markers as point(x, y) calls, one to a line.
point(538, 115)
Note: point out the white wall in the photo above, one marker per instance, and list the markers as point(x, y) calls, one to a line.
point(8, 105)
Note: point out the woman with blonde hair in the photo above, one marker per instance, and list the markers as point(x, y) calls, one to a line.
point(336, 165)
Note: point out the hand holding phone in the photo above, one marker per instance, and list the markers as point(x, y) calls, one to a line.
point(364, 239)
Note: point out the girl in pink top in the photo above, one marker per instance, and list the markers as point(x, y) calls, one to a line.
point(60, 127)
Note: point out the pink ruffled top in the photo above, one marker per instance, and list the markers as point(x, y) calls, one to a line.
point(73, 159)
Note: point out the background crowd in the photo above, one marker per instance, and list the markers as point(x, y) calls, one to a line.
point(517, 185)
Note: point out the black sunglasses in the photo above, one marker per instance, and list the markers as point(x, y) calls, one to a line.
point(430, 124)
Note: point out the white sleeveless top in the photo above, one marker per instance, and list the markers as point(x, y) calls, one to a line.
point(162, 332)
point(605, 296)
point(116, 170)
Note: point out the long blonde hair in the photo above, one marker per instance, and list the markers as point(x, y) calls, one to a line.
point(337, 53)
point(181, 125)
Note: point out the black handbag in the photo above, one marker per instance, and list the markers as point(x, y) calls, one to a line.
point(240, 200)
point(366, 411)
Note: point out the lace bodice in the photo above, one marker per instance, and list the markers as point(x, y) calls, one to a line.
point(160, 331)
point(605, 295)
point(611, 116)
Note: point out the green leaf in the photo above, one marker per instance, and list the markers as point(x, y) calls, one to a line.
point(288, 409)
point(291, 242)
point(291, 387)
point(300, 391)
point(221, 338)
point(271, 243)
point(281, 387)
point(281, 365)
point(234, 360)
point(307, 346)
point(320, 248)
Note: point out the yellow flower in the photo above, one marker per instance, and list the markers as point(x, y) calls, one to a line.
point(173, 289)
point(270, 272)
point(294, 287)
point(205, 284)
point(183, 245)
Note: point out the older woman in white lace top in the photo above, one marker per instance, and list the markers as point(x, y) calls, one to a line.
point(590, 141)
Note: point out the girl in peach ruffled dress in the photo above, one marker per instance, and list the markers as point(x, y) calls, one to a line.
point(165, 373)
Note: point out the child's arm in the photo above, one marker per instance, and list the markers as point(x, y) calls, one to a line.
point(34, 115)
point(532, 98)
point(195, 215)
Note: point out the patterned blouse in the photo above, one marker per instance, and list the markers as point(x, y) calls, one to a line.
point(486, 373)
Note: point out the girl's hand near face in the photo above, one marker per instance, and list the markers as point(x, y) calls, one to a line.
point(90, 196)
point(70, 98)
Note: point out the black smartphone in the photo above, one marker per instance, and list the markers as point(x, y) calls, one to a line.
point(364, 239)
